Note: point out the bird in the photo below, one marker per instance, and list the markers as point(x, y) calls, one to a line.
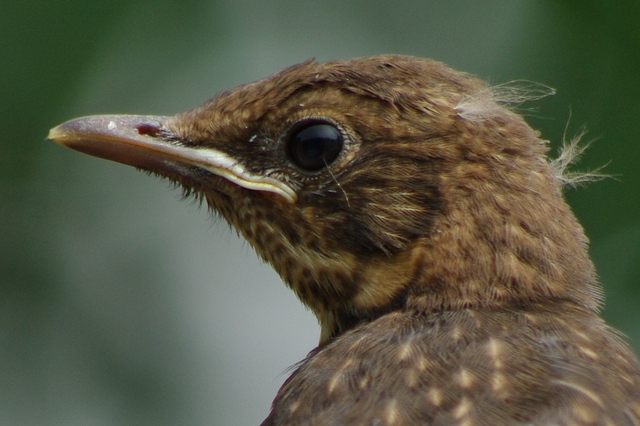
point(420, 218)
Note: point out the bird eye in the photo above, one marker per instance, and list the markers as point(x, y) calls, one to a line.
point(314, 145)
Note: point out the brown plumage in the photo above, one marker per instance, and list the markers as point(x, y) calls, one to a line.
point(423, 225)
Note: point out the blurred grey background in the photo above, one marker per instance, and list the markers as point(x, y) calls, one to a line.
point(121, 305)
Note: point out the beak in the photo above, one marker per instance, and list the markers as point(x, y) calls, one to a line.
point(144, 142)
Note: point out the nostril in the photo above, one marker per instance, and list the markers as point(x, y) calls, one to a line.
point(148, 129)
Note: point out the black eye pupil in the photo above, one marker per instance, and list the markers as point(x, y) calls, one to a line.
point(314, 146)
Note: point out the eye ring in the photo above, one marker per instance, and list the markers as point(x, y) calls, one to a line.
point(314, 144)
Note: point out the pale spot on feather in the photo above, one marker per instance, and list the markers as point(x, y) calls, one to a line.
point(586, 392)
point(511, 266)
point(391, 412)
point(412, 378)
point(405, 351)
point(627, 379)
point(294, 407)
point(465, 378)
point(335, 380)
point(473, 285)
point(347, 363)
point(498, 382)
point(356, 344)
point(583, 412)
point(588, 353)
point(623, 359)
point(363, 382)
point(531, 318)
point(499, 293)
point(422, 364)
point(434, 396)
point(582, 335)
point(495, 348)
point(463, 409)
point(456, 333)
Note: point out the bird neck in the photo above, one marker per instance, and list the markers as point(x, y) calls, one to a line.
point(498, 243)
point(505, 236)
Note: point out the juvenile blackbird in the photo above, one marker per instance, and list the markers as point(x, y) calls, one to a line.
point(422, 223)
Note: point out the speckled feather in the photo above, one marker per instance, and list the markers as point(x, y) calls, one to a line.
point(542, 365)
point(449, 276)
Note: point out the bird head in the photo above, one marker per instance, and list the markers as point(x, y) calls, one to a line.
point(370, 185)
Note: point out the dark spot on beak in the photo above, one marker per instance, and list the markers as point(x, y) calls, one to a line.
point(148, 129)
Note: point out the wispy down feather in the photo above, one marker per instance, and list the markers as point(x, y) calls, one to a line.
point(569, 154)
point(485, 103)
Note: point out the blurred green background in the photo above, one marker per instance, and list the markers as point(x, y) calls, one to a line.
point(121, 305)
